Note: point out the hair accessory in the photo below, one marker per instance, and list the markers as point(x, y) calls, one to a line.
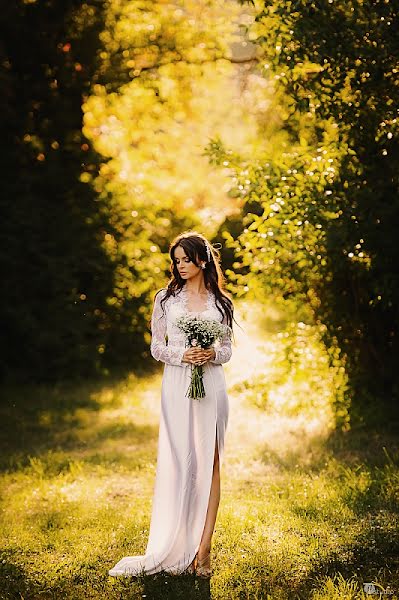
point(208, 252)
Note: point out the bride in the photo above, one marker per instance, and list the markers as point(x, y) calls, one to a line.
point(191, 431)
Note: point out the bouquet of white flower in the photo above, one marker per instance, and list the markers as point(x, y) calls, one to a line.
point(202, 333)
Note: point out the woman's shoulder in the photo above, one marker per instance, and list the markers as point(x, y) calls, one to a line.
point(159, 294)
point(163, 292)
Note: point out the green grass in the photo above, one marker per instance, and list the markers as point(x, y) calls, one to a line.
point(300, 517)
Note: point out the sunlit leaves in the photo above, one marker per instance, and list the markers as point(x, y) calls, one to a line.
point(283, 240)
point(164, 87)
point(337, 62)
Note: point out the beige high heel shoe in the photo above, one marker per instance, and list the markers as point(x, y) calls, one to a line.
point(203, 567)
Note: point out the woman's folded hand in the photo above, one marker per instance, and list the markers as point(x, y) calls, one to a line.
point(199, 356)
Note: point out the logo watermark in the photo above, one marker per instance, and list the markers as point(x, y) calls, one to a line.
point(372, 588)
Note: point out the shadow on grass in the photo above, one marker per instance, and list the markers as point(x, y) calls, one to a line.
point(371, 448)
point(36, 419)
point(91, 580)
point(162, 585)
point(356, 561)
point(353, 562)
point(361, 468)
point(14, 579)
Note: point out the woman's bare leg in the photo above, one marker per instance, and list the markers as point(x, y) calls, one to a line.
point(214, 498)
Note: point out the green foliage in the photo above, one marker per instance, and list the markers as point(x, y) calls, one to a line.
point(98, 98)
point(149, 114)
point(321, 212)
point(55, 273)
point(282, 245)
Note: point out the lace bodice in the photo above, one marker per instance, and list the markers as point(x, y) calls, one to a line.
point(163, 323)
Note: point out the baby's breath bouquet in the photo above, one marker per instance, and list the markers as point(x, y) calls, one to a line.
point(201, 333)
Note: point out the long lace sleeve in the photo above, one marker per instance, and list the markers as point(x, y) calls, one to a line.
point(171, 355)
point(223, 349)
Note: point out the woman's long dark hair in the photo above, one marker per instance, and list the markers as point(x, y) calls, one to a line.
point(194, 245)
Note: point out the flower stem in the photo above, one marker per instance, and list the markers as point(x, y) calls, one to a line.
point(196, 388)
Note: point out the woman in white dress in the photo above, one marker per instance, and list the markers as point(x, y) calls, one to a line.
point(191, 431)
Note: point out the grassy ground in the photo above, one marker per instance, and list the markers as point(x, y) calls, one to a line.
point(304, 513)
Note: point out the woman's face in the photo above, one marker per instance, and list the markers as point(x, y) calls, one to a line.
point(185, 266)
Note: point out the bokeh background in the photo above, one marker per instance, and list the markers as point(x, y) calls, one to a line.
point(271, 128)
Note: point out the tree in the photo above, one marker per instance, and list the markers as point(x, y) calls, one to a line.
point(321, 216)
point(99, 172)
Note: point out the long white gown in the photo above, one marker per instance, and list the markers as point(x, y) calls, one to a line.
point(186, 445)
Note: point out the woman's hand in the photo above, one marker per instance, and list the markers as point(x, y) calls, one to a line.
point(208, 354)
point(199, 356)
